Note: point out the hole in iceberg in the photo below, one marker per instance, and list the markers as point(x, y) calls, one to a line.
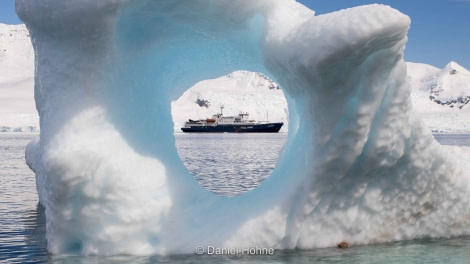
point(230, 164)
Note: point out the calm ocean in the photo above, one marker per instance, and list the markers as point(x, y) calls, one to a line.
point(227, 164)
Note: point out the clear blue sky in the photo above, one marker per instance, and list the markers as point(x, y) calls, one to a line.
point(439, 33)
point(440, 29)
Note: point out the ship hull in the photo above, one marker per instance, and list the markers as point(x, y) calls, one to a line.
point(242, 128)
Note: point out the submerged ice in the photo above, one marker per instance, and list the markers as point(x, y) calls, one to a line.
point(358, 164)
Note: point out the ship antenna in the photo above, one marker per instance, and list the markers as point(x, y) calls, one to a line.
point(221, 109)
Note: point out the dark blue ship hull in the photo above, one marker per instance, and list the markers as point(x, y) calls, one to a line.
point(242, 128)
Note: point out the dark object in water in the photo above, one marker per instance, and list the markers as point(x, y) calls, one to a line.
point(343, 244)
point(230, 124)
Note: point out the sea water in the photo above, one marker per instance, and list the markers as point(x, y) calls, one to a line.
point(226, 164)
point(230, 164)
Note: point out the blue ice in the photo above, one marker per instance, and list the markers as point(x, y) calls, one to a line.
point(358, 165)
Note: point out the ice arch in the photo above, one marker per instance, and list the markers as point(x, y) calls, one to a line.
point(358, 164)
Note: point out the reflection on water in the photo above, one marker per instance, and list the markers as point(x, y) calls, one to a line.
point(230, 164)
point(23, 236)
point(22, 220)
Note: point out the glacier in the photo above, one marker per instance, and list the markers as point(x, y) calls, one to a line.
point(358, 166)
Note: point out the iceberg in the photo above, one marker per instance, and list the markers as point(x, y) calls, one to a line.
point(358, 165)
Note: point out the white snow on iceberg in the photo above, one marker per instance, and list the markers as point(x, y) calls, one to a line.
point(358, 164)
point(241, 91)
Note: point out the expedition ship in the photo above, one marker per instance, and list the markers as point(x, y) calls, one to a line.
point(231, 124)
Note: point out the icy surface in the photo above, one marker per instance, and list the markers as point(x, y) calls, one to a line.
point(441, 96)
point(358, 164)
point(17, 111)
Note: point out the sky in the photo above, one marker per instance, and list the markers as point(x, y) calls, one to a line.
point(439, 33)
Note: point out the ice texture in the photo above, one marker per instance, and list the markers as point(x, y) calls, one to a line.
point(358, 165)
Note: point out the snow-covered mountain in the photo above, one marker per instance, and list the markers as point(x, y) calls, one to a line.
point(240, 91)
point(17, 108)
point(441, 96)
